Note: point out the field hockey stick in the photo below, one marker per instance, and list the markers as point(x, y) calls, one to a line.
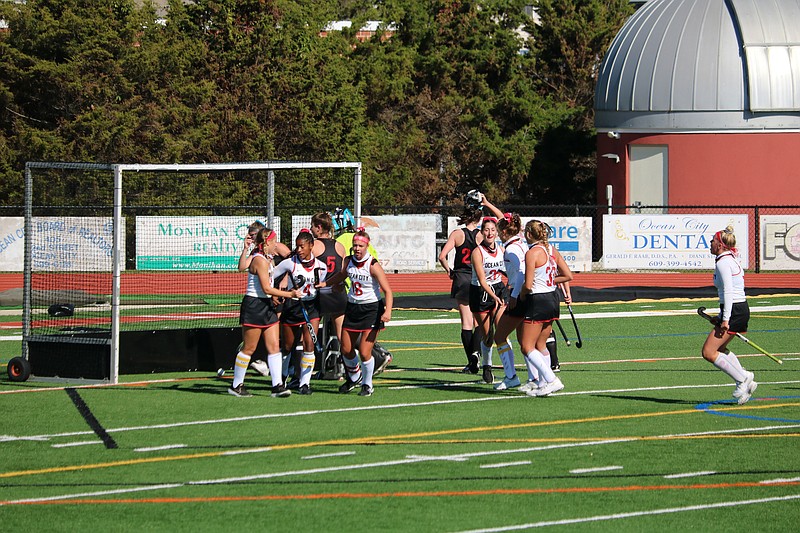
point(578, 342)
point(702, 312)
point(563, 333)
point(309, 325)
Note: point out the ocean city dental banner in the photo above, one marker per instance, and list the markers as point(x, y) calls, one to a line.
point(192, 243)
point(670, 242)
point(58, 244)
point(572, 236)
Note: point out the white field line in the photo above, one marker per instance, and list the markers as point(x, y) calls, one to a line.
point(617, 314)
point(81, 443)
point(781, 480)
point(618, 516)
point(499, 397)
point(506, 465)
point(159, 448)
point(326, 455)
point(595, 469)
point(690, 474)
point(361, 466)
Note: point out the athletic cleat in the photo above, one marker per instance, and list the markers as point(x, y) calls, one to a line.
point(488, 377)
point(556, 368)
point(239, 391)
point(305, 390)
point(529, 386)
point(380, 368)
point(469, 369)
point(508, 383)
point(744, 390)
point(280, 391)
point(366, 390)
point(547, 389)
point(260, 366)
point(294, 384)
point(349, 385)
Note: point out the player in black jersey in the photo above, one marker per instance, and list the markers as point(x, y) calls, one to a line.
point(464, 240)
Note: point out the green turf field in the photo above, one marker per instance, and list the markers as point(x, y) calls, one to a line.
point(645, 436)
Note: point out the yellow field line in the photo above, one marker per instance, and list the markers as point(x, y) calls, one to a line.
point(575, 421)
point(581, 439)
point(371, 440)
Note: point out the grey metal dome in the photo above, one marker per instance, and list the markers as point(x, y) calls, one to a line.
point(703, 65)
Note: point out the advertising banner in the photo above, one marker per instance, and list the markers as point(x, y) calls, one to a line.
point(572, 236)
point(59, 244)
point(192, 243)
point(668, 242)
point(405, 243)
point(780, 242)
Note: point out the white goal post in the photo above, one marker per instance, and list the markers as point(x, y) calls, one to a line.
point(43, 281)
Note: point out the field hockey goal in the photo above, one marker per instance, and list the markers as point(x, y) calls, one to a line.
point(132, 269)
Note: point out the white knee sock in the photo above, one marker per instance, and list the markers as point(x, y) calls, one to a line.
point(368, 369)
point(275, 363)
point(544, 369)
point(507, 358)
point(240, 368)
point(486, 355)
point(724, 363)
point(533, 374)
point(307, 367)
point(731, 357)
point(352, 368)
point(547, 359)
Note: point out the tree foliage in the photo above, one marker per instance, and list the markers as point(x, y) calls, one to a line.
point(449, 100)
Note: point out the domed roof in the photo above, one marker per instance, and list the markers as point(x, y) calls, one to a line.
point(703, 65)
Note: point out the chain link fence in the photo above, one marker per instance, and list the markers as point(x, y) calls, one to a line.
point(761, 247)
point(765, 234)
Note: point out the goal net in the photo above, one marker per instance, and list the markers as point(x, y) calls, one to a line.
point(116, 255)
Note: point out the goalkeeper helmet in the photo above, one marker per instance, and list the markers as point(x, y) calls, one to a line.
point(472, 200)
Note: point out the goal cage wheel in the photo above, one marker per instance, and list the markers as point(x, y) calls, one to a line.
point(19, 369)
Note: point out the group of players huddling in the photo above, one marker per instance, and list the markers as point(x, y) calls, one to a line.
point(490, 310)
point(283, 304)
point(486, 249)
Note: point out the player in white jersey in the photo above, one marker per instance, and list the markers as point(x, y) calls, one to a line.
point(733, 317)
point(365, 315)
point(509, 230)
point(487, 292)
point(258, 316)
point(304, 271)
point(544, 270)
point(244, 263)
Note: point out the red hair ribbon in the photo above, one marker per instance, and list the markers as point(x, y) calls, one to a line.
point(361, 229)
point(507, 216)
point(305, 230)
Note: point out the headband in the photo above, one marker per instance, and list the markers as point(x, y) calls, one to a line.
point(361, 237)
point(490, 219)
point(269, 236)
point(718, 237)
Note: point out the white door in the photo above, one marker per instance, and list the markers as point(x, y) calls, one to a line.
point(648, 175)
